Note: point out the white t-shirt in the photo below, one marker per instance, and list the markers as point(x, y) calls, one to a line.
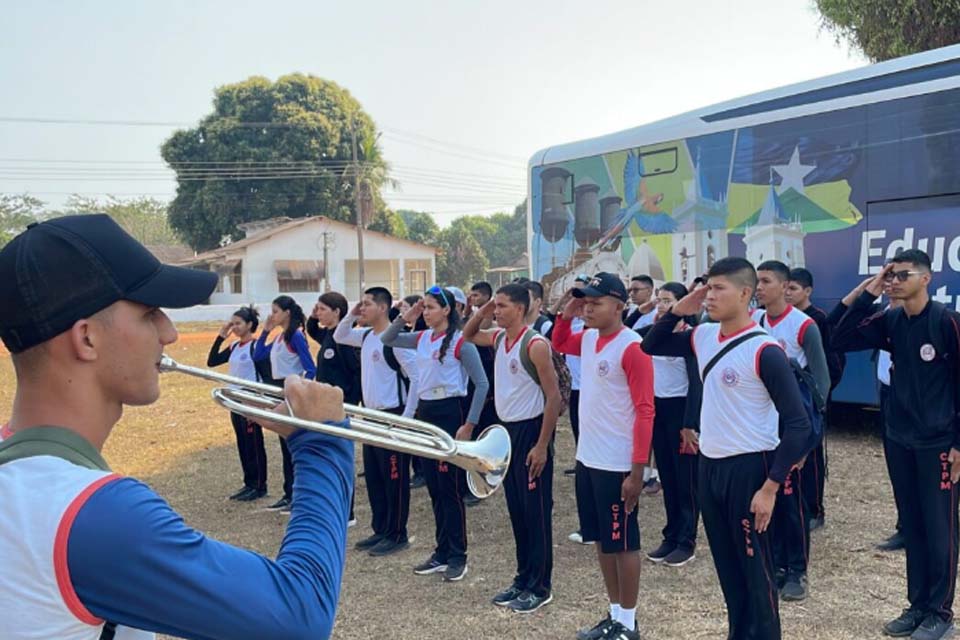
point(573, 362)
point(378, 381)
point(737, 415)
point(516, 395)
point(438, 380)
point(787, 330)
point(607, 414)
point(645, 320)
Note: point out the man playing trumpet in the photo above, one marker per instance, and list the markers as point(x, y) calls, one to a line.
point(88, 553)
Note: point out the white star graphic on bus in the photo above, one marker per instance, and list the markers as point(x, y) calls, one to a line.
point(792, 174)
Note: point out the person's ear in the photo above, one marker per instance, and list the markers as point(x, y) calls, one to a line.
point(86, 338)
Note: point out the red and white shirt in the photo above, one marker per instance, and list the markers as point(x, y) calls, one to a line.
point(788, 330)
point(438, 380)
point(516, 395)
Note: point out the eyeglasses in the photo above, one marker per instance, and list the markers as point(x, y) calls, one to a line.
point(437, 292)
point(902, 276)
point(584, 278)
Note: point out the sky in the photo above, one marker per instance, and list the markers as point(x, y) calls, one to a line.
point(464, 92)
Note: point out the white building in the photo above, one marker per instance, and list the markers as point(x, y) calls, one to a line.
point(284, 256)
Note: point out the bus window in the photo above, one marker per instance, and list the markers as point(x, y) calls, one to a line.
point(659, 163)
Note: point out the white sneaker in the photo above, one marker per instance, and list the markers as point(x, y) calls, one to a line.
point(351, 523)
point(576, 537)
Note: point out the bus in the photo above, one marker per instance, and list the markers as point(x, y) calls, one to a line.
point(836, 175)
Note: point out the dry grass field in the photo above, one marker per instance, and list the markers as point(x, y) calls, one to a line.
point(183, 447)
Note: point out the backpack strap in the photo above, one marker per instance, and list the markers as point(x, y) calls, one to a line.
point(51, 441)
point(727, 349)
point(525, 360)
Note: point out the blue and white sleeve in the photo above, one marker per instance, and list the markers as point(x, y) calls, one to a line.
point(132, 559)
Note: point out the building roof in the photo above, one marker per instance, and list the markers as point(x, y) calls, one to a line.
point(170, 253)
point(233, 248)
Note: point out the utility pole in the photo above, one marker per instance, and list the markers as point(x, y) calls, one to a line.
point(326, 235)
point(359, 212)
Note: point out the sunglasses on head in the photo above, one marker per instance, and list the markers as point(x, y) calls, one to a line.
point(437, 292)
point(902, 276)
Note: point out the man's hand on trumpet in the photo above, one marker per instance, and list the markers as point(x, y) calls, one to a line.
point(308, 400)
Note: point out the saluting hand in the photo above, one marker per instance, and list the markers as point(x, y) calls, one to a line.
point(692, 303)
point(356, 309)
point(875, 285)
point(573, 308)
point(226, 330)
point(486, 311)
point(414, 312)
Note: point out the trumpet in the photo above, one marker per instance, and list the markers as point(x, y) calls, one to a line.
point(485, 460)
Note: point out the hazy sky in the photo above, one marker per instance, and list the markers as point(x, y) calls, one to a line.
point(464, 91)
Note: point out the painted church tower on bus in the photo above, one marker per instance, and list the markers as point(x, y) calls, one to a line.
point(701, 236)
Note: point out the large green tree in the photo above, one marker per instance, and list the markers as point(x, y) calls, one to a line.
point(461, 261)
point(16, 212)
point(272, 149)
point(884, 29)
point(143, 218)
point(421, 226)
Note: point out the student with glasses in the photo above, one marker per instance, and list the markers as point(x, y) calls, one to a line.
point(444, 364)
point(922, 428)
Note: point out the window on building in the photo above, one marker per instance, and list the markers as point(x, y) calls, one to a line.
point(230, 276)
point(417, 276)
point(298, 276)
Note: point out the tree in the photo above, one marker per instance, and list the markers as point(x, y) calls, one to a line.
point(390, 223)
point(461, 260)
point(272, 149)
point(143, 218)
point(884, 29)
point(420, 226)
point(16, 212)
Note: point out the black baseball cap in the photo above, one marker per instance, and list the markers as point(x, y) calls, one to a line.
point(66, 269)
point(603, 284)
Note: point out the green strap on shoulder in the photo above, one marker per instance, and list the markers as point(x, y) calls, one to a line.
point(51, 441)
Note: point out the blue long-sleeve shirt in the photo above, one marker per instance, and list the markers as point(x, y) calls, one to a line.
point(132, 559)
point(298, 344)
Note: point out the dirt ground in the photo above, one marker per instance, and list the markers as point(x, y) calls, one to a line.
point(183, 447)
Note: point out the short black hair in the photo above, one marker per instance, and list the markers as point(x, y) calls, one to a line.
point(337, 301)
point(249, 315)
point(644, 278)
point(802, 277)
point(483, 287)
point(413, 299)
point(517, 293)
point(535, 288)
point(916, 257)
point(678, 290)
point(736, 269)
point(380, 295)
point(777, 267)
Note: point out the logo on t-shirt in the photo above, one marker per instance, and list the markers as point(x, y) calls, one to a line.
point(783, 344)
point(376, 357)
point(603, 368)
point(729, 377)
point(435, 355)
point(514, 366)
point(328, 354)
point(928, 353)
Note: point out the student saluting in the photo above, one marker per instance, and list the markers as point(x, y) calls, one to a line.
point(748, 389)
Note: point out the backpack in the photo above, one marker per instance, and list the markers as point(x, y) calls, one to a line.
point(403, 382)
point(564, 379)
point(541, 320)
point(262, 367)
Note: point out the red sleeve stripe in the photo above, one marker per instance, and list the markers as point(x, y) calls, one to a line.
point(456, 349)
point(803, 330)
point(693, 343)
point(756, 360)
point(60, 566)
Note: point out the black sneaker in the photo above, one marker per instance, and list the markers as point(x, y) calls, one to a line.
point(816, 523)
point(279, 504)
point(619, 632)
point(368, 542)
point(794, 588)
point(471, 500)
point(651, 487)
point(285, 509)
point(933, 627)
point(417, 481)
point(903, 626)
point(251, 495)
point(660, 554)
point(388, 547)
point(597, 631)
point(896, 542)
point(241, 493)
point(679, 557)
point(780, 578)
point(506, 596)
point(456, 571)
point(432, 565)
point(528, 602)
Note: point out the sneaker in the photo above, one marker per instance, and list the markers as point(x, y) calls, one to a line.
point(242, 492)
point(432, 565)
point(251, 495)
point(933, 627)
point(528, 602)
point(417, 481)
point(388, 547)
point(569, 472)
point(903, 626)
point(368, 542)
point(456, 571)
point(597, 631)
point(506, 596)
point(279, 504)
point(816, 523)
point(619, 632)
point(651, 487)
point(352, 522)
point(471, 500)
point(285, 509)
point(660, 554)
point(794, 588)
point(679, 557)
point(896, 542)
point(780, 578)
point(578, 538)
